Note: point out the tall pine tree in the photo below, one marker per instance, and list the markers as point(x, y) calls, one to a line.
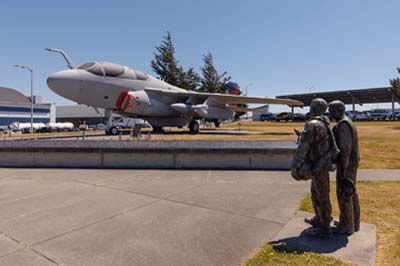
point(211, 81)
point(164, 64)
point(396, 81)
point(166, 67)
point(189, 79)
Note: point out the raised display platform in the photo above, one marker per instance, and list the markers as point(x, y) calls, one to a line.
point(257, 155)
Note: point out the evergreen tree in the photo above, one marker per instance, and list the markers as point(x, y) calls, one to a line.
point(164, 64)
point(189, 79)
point(211, 81)
point(396, 81)
point(166, 67)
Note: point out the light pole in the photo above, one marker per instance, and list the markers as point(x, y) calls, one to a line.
point(248, 85)
point(30, 70)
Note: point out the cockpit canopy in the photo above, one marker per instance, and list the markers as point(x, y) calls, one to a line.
point(113, 70)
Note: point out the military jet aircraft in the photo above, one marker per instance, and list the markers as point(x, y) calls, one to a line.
point(132, 93)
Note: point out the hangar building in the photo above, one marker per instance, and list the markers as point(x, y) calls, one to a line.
point(81, 114)
point(16, 107)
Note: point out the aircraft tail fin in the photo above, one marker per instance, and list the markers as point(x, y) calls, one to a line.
point(232, 88)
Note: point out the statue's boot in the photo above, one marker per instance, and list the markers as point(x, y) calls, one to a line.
point(357, 227)
point(341, 229)
point(319, 231)
point(314, 221)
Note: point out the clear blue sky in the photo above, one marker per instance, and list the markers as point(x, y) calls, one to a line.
point(281, 46)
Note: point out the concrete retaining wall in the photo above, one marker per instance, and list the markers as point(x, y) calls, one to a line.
point(148, 154)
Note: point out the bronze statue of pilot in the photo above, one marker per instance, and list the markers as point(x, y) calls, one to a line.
point(313, 160)
point(347, 163)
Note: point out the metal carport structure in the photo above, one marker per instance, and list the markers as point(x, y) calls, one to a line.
point(353, 97)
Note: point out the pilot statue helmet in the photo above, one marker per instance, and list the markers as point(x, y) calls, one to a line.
point(337, 106)
point(318, 107)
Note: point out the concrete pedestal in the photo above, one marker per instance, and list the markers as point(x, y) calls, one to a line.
point(358, 248)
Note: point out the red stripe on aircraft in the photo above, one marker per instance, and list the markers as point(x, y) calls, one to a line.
point(125, 101)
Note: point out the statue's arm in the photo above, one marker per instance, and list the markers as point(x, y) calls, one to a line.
point(306, 138)
point(344, 142)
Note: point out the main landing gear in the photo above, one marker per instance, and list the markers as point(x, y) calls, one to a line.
point(194, 127)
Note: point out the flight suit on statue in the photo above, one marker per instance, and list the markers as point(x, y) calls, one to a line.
point(347, 163)
point(312, 160)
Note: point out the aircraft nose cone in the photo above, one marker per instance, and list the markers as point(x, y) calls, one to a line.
point(65, 83)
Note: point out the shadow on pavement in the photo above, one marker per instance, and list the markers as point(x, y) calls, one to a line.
point(305, 242)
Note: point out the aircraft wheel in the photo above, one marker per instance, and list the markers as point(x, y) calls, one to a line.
point(113, 131)
point(194, 127)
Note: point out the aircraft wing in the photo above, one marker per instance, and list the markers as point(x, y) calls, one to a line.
point(224, 98)
point(244, 109)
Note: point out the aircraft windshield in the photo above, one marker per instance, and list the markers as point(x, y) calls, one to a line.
point(93, 67)
point(113, 70)
point(86, 65)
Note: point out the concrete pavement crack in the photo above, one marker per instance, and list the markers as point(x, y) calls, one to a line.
point(44, 256)
point(117, 189)
point(224, 211)
point(167, 198)
point(94, 222)
point(25, 247)
point(33, 250)
point(10, 237)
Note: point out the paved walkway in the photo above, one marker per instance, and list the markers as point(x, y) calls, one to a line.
point(144, 217)
point(140, 217)
point(379, 175)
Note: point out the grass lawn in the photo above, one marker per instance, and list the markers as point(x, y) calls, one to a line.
point(270, 256)
point(380, 206)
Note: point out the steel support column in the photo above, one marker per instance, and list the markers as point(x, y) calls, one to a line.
point(393, 113)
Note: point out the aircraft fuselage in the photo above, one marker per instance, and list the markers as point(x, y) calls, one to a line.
point(87, 88)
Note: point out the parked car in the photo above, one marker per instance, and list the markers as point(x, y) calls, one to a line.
point(397, 115)
point(7, 131)
point(284, 116)
point(299, 117)
point(351, 115)
point(124, 122)
point(380, 114)
point(362, 116)
point(267, 117)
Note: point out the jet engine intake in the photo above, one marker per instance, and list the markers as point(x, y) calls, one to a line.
point(131, 100)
